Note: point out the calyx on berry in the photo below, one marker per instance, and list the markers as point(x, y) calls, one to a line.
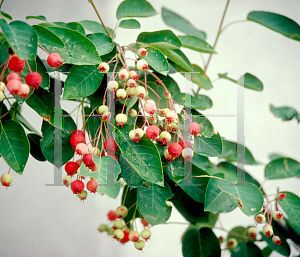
point(132, 113)
point(260, 218)
point(122, 211)
point(88, 160)
point(83, 195)
point(267, 231)
point(6, 179)
point(112, 85)
point(232, 243)
point(277, 215)
point(16, 64)
point(81, 149)
point(118, 224)
point(92, 185)
point(187, 154)
point(168, 156)
point(33, 79)
point(14, 86)
point(102, 109)
point(165, 137)
point(140, 92)
point(54, 60)
point(103, 67)
point(121, 119)
point(142, 65)
point(123, 74)
point(24, 90)
point(193, 128)
point(67, 180)
point(118, 234)
point(121, 93)
point(276, 240)
point(252, 232)
point(134, 236)
point(131, 83)
point(142, 52)
point(146, 234)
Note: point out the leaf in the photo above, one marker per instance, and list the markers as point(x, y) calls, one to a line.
point(196, 44)
point(230, 153)
point(152, 203)
point(178, 57)
point(35, 147)
point(208, 146)
point(266, 251)
point(200, 78)
point(19, 118)
point(71, 25)
point(135, 8)
point(282, 168)
point(14, 145)
point(21, 37)
point(237, 233)
point(157, 61)
point(131, 103)
point(92, 124)
point(129, 200)
point(103, 43)
point(201, 243)
point(246, 250)
point(247, 80)
point(142, 156)
point(108, 170)
point(248, 195)
point(39, 17)
point(96, 99)
point(201, 161)
point(285, 113)
point(276, 22)
point(291, 206)
point(95, 27)
point(6, 15)
point(174, 20)
point(161, 39)
point(130, 24)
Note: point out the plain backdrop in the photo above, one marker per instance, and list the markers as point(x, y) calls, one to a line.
point(39, 220)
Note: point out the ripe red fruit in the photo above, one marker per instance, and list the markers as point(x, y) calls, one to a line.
point(112, 215)
point(185, 144)
point(14, 86)
point(76, 139)
point(88, 160)
point(34, 79)
point(110, 145)
point(174, 149)
point(125, 239)
point(80, 132)
point(144, 222)
point(71, 168)
point(193, 128)
point(77, 186)
point(152, 132)
point(92, 186)
point(54, 60)
point(16, 64)
point(12, 76)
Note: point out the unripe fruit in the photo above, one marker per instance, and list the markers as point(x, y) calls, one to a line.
point(142, 65)
point(121, 93)
point(83, 195)
point(67, 180)
point(152, 120)
point(95, 151)
point(125, 239)
point(16, 64)
point(79, 132)
point(110, 145)
point(146, 234)
point(112, 85)
point(71, 168)
point(122, 211)
point(134, 236)
point(118, 234)
point(193, 128)
point(144, 222)
point(103, 227)
point(1, 96)
point(252, 232)
point(92, 186)
point(132, 113)
point(131, 83)
point(14, 86)
point(6, 179)
point(142, 52)
point(123, 74)
point(171, 116)
point(24, 90)
point(277, 215)
point(260, 218)
point(131, 134)
point(150, 108)
point(34, 79)
point(12, 76)
point(232, 243)
point(139, 244)
point(121, 119)
point(112, 215)
point(130, 91)
point(152, 132)
point(167, 95)
point(54, 60)
point(140, 91)
point(102, 109)
point(276, 240)
point(174, 150)
point(165, 137)
point(2, 86)
point(139, 132)
point(110, 231)
point(117, 224)
point(82, 149)
point(267, 231)
point(77, 186)
point(168, 156)
point(132, 74)
point(163, 112)
point(187, 154)
point(103, 67)
point(76, 139)
point(185, 144)
point(88, 160)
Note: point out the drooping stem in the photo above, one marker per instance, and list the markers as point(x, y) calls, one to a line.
point(231, 23)
point(1, 3)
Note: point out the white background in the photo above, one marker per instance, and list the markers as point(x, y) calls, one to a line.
point(37, 220)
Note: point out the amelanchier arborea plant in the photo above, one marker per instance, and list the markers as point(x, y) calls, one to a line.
point(140, 135)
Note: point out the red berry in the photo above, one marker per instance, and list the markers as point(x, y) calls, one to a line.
point(77, 186)
point(88, 160)
point(54, 60)
point(110, 145)
point(34, 79)
point(76, 139)
point(112, 154)
point(112, 215)
point(71, 168)
point(92, 186)
point(16, 64)
point(152, 132)
point(144, 222)
point(12, 76)
point(185, 144)
point(125, 239)
point(174, 149)
point(14, 86)
point(80, 132)
point(193, 128)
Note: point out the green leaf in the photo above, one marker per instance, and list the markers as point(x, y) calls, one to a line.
point(208, 146)
point(129, 200)
point(152, 203)
point(142, 156)
point(247, 80)
point(237, 233)
point(201, 243)
point(178, 57)
point(291, 206)
point(157, 61)
point(71, 25)
point(6, 15)
point(130, 24)
point(174, 20)
point(19, 118)
point(276, 22)
point(95, 27)
point(196, 44)
point(39, 17)
point(266, 251)
point(96, 99)
point(161, 39)
point(248, 195)
point(230, 153)
point(135, 8)
point(21, 37)
point(285, 113)
point(82, 81)
point(200, 78)
point(246, 250)
point(103, 43)
point(201, 161)
point(106, 175)
point(35, 147)
point(282, 168)
point(131, 103)
point(14, 145)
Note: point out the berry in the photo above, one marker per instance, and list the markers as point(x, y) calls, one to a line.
point(83, 195)
point(118, 224)
point(276, 240)
point(2, 86)
point(88, 160)
point(174, 149)
point(54, 60)
point(185, 144)
point(77, 186)
point(277, 215)
point(267, 231)
point(121, 119)
point(144, 222)
point(168, 156)
point(14, 86)
point(102, 227)
point(102, 109)
point(187, 154)
point(142, 65)
point(24, 90)
point(165, 137)
point(281, 196)
point(110, 231)
point(6, 180)
point(152, 132)
point(71, 168)
point(94, 168)
point(132, 74)
point(193, 128)
point(163, 112)
point(171, 116)
point(132, 113)
point(79, 162)
point(122, 211)
point(123, 74)
point(232, 243)
point(103, 67)
point(13, 76)
point(139, 244)
point(82, 149)
point(16, 64)
point(130, 91)
point(112, 85)
point(152, 119)
point(67, 180)
point(140, 91)
point(125, 239)
point(121, 94)
point(110, 145)
point(80, 132)
point(146, 234)
point(150, 108)
point(76, 139)
point(34, 79)
point(118, 234)
point(95, 151)
point(260, 218)
point(92, 185)
point(221, 239)
point(134, 236)
point(142, 52)
point(1, 96)
point(167, 95)
point(131, 83)
point(112, 215)
point(252, 232)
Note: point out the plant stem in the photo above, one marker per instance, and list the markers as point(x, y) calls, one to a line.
point(1, 3)
point(231, 23)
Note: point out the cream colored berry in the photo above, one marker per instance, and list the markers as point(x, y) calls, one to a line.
point(2, 86)
point(142, 65)
point(142, 52)
point(103, 67)
point(102, 109)
point(112, 85)
point(121, 93)
point(140, 91)
point(123, 74)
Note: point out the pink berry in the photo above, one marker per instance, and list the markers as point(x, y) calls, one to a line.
point(71, 168)
point(34, 79)
point(88, 160)
point(112, 215)
point(174, 149)
point(193, 128)
point(81, 149)
point(92, 186)
point(16, 64)
point(150, 108)
point(77, 186)
point(12, 76)
point(24, 90)
point(14, 86)
point(110, 145)
point(144, 222)
point(185, 144)
point(76, 139)
point(80, 132)
point(94, 168)
point(152, 132)
point(54, 60)
point(6, 180)
point(134, 236)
